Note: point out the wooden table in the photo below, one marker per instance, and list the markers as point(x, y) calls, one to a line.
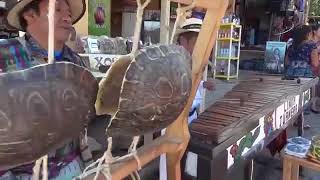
point(291, 166)
point(234, 128)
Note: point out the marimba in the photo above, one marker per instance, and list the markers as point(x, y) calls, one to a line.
point(245, 120)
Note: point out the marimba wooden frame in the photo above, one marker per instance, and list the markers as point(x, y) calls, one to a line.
point(213, 158)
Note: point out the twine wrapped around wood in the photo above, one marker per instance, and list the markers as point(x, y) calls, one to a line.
point(182, 14)
point(52, 7)
point(104, 163)
point(137, 31)
point(44, 160)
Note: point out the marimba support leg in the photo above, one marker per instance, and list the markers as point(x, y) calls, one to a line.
point(213, 169)
point(290, 169)
point(301, 124)
point(248, 169)
point(205, 169)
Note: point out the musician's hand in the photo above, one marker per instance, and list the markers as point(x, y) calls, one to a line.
point(209, 85)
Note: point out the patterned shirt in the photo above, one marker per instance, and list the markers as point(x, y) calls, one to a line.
point(22, 53)
point(318, 46)
point(25, 52)
point(300, 60)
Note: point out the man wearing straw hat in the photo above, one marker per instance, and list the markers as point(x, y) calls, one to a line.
point(31, 16)
point(186, 36)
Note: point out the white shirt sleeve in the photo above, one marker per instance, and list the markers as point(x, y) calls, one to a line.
point(198, 98)
point(196, 102)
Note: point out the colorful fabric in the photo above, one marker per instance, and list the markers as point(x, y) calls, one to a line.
point(12, 56)
point(278, 143)
point(25, 52)
point(22, 53)
point(37, 52)
point(318, 46)
point(300, 60)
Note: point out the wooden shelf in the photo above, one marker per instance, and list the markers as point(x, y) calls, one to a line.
point(229, 43)
point(228, 39)
point(228, 25)
point(227, 58)
point(225, 76)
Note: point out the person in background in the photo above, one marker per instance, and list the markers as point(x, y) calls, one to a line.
point(186, 36)
point(316, 38)
point(316, 35)
point(302, 58)
point(31, 16)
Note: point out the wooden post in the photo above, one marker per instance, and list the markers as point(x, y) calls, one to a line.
point(295, 171)
point(287, 169)
point(231, 7)
point(301, 124)
point(203, 102)
point(248, 169)
point(306, 11)
point(165, 22)
point(270, 26)
point(200, 57)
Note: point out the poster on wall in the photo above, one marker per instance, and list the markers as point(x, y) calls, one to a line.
point(274, 57)
point(99, 17)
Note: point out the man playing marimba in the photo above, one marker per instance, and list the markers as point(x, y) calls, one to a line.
point(187, 37)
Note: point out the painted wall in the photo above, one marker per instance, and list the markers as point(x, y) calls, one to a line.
point(82, 26)
point(99, 13)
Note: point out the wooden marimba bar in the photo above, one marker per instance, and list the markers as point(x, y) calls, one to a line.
point(245, 120)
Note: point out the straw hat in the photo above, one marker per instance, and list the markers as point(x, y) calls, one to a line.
point(190, 25)
point(77, 7)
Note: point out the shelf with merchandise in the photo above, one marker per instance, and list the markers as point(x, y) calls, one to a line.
point(225, 76)
point(227, 51)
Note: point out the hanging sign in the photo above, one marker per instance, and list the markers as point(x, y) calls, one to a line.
point(99, 17)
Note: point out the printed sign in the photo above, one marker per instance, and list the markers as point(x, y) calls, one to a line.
point(99, 17)
point(274, 57)
point(291, 107)
point(93, 45)
point(97, 60)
